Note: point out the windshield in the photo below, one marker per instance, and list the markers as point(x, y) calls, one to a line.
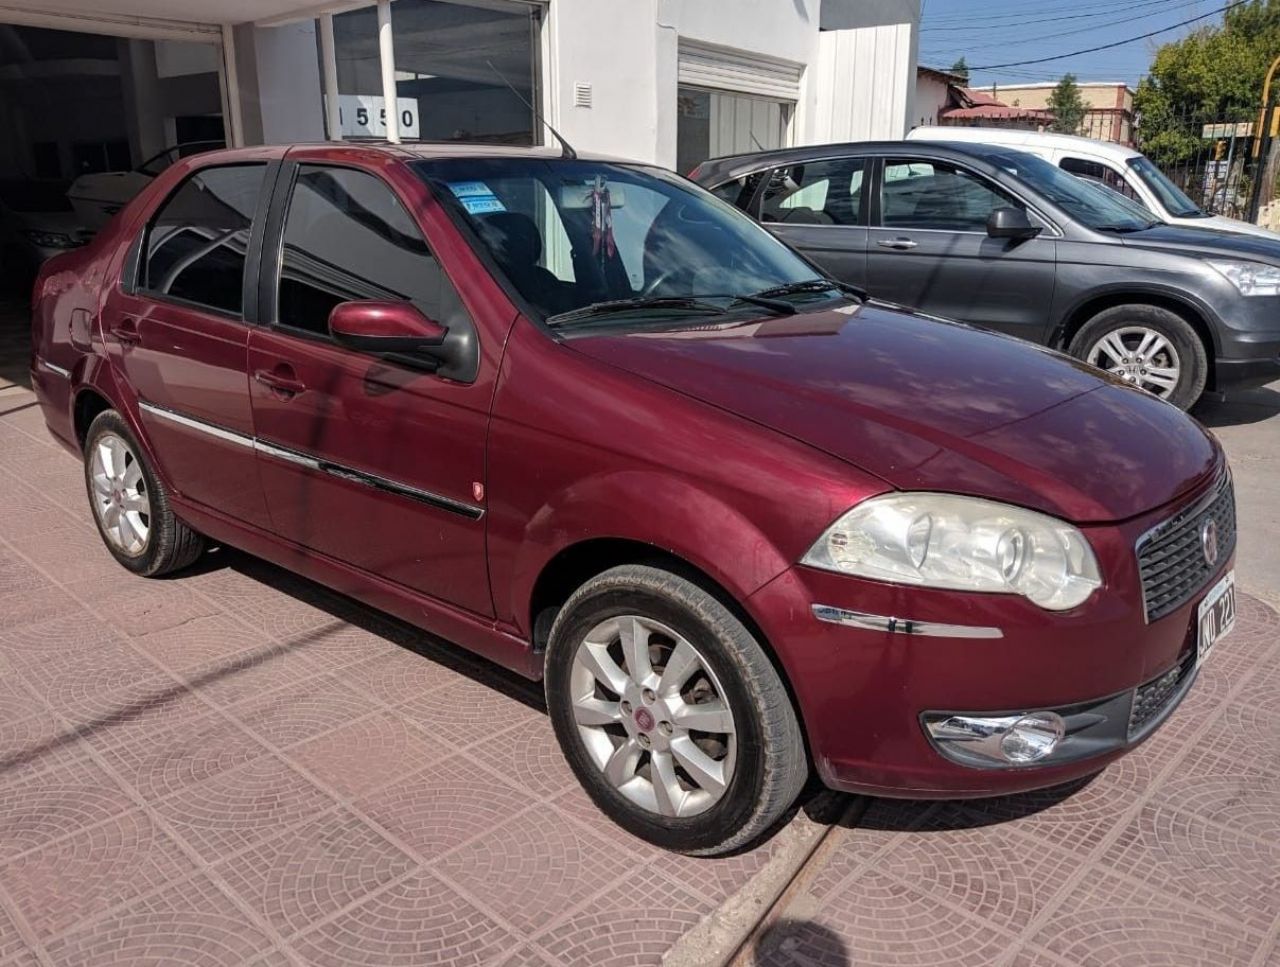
point(615, 242)
point(1171, 196)
point(1092, 206)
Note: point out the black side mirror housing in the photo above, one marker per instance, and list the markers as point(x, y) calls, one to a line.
point(1010, 222)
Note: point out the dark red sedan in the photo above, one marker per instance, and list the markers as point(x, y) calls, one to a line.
point(587, 420)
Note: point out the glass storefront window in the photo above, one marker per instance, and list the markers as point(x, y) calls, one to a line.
point(443, 52)
point(445, 87)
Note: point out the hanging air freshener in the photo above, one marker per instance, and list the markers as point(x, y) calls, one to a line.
point(601, 221)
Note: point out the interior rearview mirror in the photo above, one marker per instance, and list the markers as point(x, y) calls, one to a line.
point(1010, 222)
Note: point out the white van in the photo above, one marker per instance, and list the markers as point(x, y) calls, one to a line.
point(1122, 169)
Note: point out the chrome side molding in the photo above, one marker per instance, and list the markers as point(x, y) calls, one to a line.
point(901, 626)
point(278, 452)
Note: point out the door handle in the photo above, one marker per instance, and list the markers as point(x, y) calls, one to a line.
point(279, 383)
point(897, 243)
point(126, 332)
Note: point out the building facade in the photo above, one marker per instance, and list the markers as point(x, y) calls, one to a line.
point(92, 86)
point(1110, 106)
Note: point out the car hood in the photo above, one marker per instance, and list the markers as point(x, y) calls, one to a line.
point(1220, 223)
point(930, 405)
point(1208, 241)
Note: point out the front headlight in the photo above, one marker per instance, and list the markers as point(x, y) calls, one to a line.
point(1250, 278)
point(961, 543)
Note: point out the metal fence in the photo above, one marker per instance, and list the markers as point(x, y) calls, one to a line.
point(1223, 161)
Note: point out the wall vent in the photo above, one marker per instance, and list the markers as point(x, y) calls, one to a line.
point(581, 94)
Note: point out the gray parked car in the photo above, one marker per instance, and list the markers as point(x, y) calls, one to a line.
point(1004, 240)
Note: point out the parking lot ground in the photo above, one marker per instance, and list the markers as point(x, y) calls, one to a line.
point(235, 765)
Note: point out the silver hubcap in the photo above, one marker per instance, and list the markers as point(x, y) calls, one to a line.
point(1140, 356)
point(653, 716)
point(119, 494)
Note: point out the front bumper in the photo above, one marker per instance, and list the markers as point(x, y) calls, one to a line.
point(864, 690)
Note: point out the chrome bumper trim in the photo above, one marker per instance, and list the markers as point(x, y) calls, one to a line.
point(902, 626)
point(56, 370)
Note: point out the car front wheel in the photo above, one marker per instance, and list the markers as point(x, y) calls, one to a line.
point(670, 712)
point(1148, 346)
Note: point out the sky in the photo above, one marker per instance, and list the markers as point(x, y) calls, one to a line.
point(992, 32)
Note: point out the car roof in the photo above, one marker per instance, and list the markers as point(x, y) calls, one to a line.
point(715, 171)
point(418, 150)
point(1009, 136)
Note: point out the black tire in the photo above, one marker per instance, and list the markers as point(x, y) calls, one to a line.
point(1193, 360)
point(771, 765)
point(170, 544)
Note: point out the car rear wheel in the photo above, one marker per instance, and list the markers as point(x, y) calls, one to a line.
point(1149, 347)
point(130, 506)
point(670, 713)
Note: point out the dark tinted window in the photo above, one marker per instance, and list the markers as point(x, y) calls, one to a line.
point(815, 193)
point(932, 194)
point(1096, 171)
point(346, 237)
point(196, 242)
point(737, 192)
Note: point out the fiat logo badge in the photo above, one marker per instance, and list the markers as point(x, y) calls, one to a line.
point(1209, 541)
point(644, 719)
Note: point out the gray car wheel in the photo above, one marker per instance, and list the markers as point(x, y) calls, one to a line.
point(1148, 347)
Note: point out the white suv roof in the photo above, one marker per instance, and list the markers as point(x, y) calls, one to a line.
point(1012, 137)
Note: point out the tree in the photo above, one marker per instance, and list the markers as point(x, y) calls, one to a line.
point(1210, 75)
point(961, 70)
point(1067, 105)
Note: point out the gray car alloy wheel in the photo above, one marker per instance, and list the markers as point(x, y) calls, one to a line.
point(120, 494)
point(1140, 356)
point(653, 716)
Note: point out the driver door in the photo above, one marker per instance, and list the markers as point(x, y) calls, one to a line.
point(371, 460)
point(930, 250)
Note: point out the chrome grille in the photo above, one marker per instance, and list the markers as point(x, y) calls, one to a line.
point(1171, 559)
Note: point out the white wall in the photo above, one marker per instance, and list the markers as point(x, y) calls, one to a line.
point(289, 83)
point(613, 46)
point(931, 97)
point(863, 84)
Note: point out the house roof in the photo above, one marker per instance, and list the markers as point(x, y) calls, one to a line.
point(955, 80)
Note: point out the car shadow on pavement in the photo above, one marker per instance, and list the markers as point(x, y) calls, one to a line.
point(788, 942)
point(348, 611)
point(1239, 409)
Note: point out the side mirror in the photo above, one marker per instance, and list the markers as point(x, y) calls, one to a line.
point(385, 327)
point(1010, 222)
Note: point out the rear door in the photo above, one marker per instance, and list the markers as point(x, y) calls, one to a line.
point(177, 330)
point(930, 249)
point(819, 207)
point(375, 461)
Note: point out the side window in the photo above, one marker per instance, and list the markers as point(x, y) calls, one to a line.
point(347, 237)
point(1096, 171)
point(737, 192)
point(937, 195)
point(197, 240)
point(815, 193)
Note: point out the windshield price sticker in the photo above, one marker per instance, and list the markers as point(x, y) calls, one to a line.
point(476, 197)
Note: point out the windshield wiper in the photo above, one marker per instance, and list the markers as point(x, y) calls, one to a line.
point(622, 305)
point(814, 285)
point(1126, 229)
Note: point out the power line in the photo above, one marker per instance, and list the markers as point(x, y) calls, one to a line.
point(1101, 11)
point(1118, 43)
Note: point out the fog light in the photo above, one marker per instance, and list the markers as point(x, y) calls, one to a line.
point(996, 740)
point(1032, 737)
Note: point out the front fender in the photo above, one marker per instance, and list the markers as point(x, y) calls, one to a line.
point(662, 511)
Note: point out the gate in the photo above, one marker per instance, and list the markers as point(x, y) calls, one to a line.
point(1222, 161)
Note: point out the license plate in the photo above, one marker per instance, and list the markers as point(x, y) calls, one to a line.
point(1217, 615)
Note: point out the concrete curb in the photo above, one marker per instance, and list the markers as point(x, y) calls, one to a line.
point(722, 934)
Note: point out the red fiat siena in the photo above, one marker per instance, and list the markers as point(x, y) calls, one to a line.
point(587, 420)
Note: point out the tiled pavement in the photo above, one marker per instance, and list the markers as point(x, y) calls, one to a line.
point(236, 766)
